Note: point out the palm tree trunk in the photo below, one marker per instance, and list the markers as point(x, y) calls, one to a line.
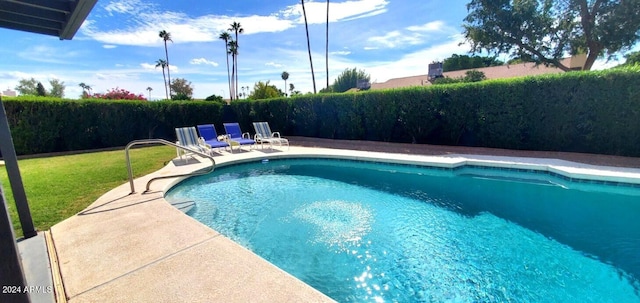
point(236, 67)
point(166, 53)
point(235, 64)
point(233, 77)
point(327, 46)
point(306, 26)
point(164, 78)
point(228, 73)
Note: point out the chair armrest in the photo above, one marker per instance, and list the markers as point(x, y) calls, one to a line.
point(246, 135)
point(276, 134)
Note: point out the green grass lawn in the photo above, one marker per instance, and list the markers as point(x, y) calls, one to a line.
point(59, 187)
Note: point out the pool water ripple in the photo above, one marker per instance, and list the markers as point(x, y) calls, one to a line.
point(429, 239)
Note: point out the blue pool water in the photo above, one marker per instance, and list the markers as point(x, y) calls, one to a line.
point(368, 232)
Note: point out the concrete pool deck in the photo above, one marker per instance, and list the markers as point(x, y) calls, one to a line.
point(138, 248)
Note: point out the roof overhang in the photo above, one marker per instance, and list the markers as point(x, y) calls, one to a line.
point(60, 18)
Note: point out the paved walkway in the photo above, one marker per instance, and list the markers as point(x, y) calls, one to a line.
point(138, 248)
point(443, 150)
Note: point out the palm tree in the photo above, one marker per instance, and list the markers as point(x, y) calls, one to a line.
point(163, 64)
point(233, 51)
point(149, 89)
point(84, 89)
point(326, 52)
point(166, 36)
point(285, 76)
point(226, 37)
point(306, 26)
point(237, 28)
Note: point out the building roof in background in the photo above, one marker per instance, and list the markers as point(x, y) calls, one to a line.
point(492, 72)
point(60, 18)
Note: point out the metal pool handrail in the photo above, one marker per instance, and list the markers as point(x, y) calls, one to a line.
point(165, 142)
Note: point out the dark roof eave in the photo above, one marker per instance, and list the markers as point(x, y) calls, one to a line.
point(78, 15)
point(60, 18)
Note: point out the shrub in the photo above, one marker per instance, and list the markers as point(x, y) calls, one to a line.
point(118, 94)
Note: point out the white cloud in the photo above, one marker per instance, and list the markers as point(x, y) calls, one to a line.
point(415, 63)
point(148, 66)
point(152, 66)
point(341, 53)
point(395, 39)
point(340, 11)
point(434, 26)
point(198, 61)
point(109, 46)
point(144, 21)
point(125, 6)
point(48, 54)
point(412, 35)
point(273, 64)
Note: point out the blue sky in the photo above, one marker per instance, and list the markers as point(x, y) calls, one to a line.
point(118, 44)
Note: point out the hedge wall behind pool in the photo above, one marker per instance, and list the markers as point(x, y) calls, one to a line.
point(592, 112)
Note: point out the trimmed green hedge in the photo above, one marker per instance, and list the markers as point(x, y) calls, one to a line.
point(592, 112)
point(52, 125)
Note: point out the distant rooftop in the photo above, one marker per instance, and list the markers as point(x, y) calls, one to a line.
point(492, 72)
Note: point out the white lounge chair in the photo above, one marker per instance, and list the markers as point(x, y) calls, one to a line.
point(264, 135)
point(188, 137)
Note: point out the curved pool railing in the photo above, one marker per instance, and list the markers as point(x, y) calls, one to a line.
point(165, 142)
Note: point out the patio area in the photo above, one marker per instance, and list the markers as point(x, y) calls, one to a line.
point(139, 248)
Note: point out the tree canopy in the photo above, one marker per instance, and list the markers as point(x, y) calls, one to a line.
point(548, 30)
point(469, 76)
point(182, 89)
point(35, 88)
point(348, 80)
point(264, 90)
point(460, 62)
point(632, 58)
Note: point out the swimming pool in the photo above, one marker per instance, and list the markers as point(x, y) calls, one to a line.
point(374, 232)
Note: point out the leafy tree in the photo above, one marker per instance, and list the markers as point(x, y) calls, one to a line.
point(460, 62)
point(349, 79)
point(326, 90)
point(632, 59)
point(57, 88)
point(470, 76)
point(85, 91)
point(182, 88)
point(446, 80)
point(262, 90)
point(28, 87)
point(35, 88)
point(226, 37)
point(215, 98)
point(163, 64)
point(306, 26)
point(285, 77)
point(40, 90)
point(166, 36)
point(292, 91)
point(547, 30)
point(119, 94)
point(474, 76)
